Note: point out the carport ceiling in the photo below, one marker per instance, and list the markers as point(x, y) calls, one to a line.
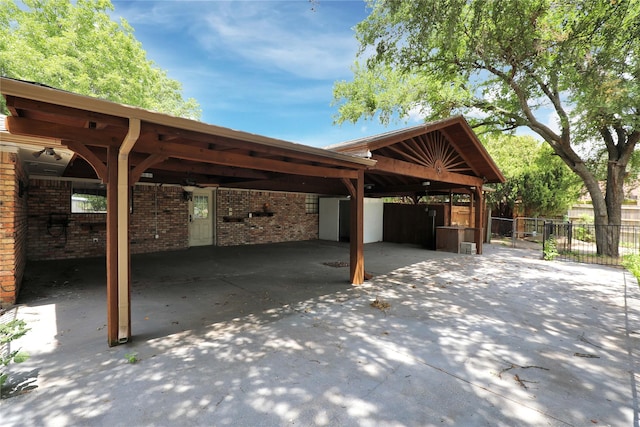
point(173, 150)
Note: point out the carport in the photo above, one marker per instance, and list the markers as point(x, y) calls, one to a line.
point(438, 158)
point(121, 143)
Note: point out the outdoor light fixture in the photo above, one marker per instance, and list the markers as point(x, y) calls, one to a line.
point(426, 183)
point(49, 151)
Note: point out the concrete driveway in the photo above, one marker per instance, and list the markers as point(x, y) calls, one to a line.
point(274, 335)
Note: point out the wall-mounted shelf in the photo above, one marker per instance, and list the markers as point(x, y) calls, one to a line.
point(260, 213)
point(232, 219)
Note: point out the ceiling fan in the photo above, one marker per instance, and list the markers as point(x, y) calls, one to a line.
point(48, 151)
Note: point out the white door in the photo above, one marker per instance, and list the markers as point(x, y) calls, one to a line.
point(201, 217)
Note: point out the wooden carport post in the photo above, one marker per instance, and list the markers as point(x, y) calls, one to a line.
point(118, 257)
point(356, 229)
point(479, 235)
point(112, 246)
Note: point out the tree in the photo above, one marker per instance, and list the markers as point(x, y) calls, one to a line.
point(511, 64)
point(536, 178)
point(77, 47)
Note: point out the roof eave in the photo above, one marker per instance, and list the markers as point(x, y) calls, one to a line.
point(22, 89)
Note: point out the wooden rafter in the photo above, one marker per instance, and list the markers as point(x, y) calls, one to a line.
point(402, 167)
point(151, 160)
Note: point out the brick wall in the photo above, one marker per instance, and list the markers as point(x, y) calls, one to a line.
point(40, 226)
point(13, 227)
point(158, 210)
point(49, 207)
point(289, 222)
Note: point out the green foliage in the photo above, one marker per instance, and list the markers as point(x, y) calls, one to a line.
point(131, 357)
point(9, 332)
point(584, 234)
point(76, 46)
point(501, 57)
point(632, 263)
point(94, 203)
point(535, 177)
point(568, 70)
point(550, 249)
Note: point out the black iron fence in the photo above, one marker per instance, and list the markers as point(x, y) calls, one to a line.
point(577, 242)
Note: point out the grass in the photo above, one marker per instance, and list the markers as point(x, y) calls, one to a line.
point(632, 263)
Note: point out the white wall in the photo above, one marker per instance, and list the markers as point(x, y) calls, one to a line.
point(329, 221)
point(373, 217)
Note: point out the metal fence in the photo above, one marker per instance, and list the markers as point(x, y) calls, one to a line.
point(577, 242)
point(522, 232)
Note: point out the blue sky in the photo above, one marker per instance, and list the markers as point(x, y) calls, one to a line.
point(266, 67)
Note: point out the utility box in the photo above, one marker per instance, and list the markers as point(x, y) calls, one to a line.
point(468, 248)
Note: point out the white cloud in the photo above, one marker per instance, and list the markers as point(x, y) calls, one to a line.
point(417, 113)
point(283, 36)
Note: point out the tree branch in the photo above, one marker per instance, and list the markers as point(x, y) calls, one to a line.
point(554, 97)
point(533, 123)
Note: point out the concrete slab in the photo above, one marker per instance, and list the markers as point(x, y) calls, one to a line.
point(270, 335)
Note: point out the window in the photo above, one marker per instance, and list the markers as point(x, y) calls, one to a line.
point(311, 204)
point(200, 207)
point(88, 198)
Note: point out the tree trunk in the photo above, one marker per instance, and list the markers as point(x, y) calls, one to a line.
point(607, 206)
point(608, 235)
point(607, 239)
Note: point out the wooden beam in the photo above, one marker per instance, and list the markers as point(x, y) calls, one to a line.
point(42, 129)
point(352, 190)
point(303, 185)
point(151, 160)
point(178, 165)
point(94, 161)
point(400, 167)
point(65, 113)
point(106, 138)
point(224, 158)
point(238, 144)
point(112, 247)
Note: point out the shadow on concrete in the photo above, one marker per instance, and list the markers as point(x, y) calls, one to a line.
point(270, 335)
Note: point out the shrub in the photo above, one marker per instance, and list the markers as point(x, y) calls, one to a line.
point(584, 234)
point(11, 331)
point(550, 250)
